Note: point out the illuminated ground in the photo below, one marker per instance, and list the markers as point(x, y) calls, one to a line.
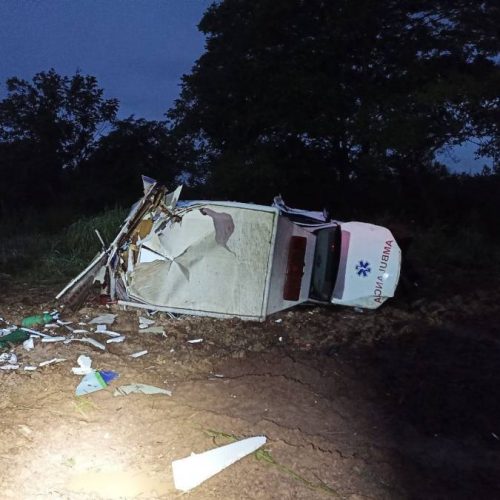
point(400, 403)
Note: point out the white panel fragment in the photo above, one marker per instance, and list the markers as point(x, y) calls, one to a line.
point(191, 471)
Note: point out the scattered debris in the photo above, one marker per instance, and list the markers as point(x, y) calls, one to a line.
point(29, 344)
point(51, 361)
point(153, 329)
point(88, 340)
point(109, 333)
point(125, 390)
point(191, 471)
point(138, 354)
point(108, 375)
point(195, 341)
point(8, 361)
point(120, 338)
point(107, 319)
point(84, 365)
point(91, 382)
point(53, 339)
point(145, 322)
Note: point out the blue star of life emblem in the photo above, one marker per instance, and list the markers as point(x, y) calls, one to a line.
point(363, 268)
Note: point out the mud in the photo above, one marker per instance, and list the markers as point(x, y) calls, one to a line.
point(398, 403)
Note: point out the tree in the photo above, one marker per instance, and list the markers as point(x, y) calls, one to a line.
point(47, 128)
point(112, 173)
point(308, 97)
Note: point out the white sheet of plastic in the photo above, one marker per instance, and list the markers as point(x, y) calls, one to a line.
point(191, 471)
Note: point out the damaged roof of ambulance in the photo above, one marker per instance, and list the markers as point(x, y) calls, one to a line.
point(228, 259)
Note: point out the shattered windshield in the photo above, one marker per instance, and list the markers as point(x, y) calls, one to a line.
point(326, 263)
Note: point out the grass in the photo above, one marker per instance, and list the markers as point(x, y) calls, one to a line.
point(35, 255)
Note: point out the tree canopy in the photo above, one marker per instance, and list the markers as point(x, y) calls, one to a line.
point(47, 128)
point(306, 96)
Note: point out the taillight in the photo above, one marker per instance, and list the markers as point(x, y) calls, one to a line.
point(295, 267)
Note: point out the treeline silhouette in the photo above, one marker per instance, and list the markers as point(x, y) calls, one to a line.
point(340, 105)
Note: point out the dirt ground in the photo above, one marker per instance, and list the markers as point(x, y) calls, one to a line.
point(398, 403)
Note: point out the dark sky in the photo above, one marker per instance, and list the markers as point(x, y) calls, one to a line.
point(137, 49)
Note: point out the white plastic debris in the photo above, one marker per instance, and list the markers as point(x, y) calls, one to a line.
point(53, 339)
point(29, 368)
point(145, 322)
point(153, 329)
point(100, 328)
point(107, 319)
point(125, 390)
point(280, 320)
point(51, 361)
point(109, 333)
point(138, 354)
point(8, 357)
point(29, 344)
point(191, 471)
point(121, 338)
point(34, 332)
point(8, 361)
point(88, 340)
point(84, 365)
point(195, 341)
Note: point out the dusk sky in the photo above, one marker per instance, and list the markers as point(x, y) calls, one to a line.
point(138, 50)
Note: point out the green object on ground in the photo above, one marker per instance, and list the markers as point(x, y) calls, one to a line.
point(16, 337)
point(37, 319)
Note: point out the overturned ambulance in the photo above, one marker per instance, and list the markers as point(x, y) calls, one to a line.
point(228, 259)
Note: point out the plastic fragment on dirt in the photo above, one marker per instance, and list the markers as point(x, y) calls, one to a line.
point(9, 366)
point(29, 344)
point(121, 338)
point(91, 382)
point(138, 354)
point(195, 341)
point(88, 340)
point(153, 329)
point(107, 319)
point(109, 333)
point(84, 365)
point(145, 322)
point(108, 375)
point(53, 339)
point(191, 471)
point(125, 390)
point(8, 361)
point(29, 368)
point(51, 361)
point(63, 323)
point(100, 328)
point(34, 332)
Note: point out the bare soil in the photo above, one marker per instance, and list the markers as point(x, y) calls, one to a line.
point(402, 402)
